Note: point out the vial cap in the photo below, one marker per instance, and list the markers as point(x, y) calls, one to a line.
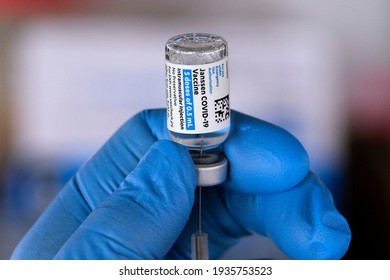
point(211, 174)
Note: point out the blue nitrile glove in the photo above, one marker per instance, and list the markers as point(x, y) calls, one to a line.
point(134, 199)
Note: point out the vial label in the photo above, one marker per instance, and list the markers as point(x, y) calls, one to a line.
point(197, 97)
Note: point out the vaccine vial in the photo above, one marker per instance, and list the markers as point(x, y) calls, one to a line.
point(197, 91)
point(198, 111)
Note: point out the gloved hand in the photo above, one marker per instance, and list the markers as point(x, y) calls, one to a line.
point(134, 199)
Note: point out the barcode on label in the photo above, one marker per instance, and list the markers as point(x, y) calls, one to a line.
point(222, 109)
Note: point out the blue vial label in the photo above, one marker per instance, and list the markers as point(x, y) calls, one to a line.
point(197, 97)
point(188, 99)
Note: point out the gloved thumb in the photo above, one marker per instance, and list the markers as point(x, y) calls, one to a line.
point(144, 217)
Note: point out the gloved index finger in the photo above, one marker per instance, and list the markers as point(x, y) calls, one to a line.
point(93, 183)
point(263, 157)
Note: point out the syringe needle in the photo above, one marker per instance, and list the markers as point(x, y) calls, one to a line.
point(200, 194)
point(199, 240)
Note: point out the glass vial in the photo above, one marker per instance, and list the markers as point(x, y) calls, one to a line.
point(197, 88)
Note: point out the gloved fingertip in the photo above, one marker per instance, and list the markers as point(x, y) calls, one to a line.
point(172, 155)
point(165, 163)
point(263, 158)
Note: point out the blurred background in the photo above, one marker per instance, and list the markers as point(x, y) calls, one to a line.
point(71, 72)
